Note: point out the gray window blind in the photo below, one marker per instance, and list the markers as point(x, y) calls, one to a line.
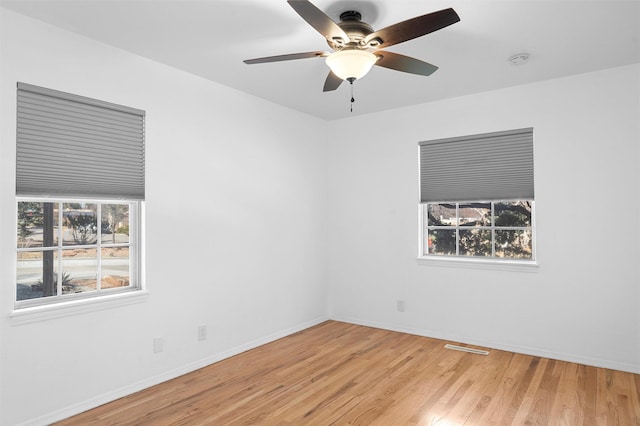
point(72, 146)
point(485, 167)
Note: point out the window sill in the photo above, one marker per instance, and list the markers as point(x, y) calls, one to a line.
point(491, 264)
point(75, 307)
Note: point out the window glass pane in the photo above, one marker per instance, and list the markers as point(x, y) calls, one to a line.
point(441, 241)
point(37, 224)
point(475, 214)
point(441, 214)
point(514, 244)
point(29, 224)
point(513, 213)
point(115, 223)
point(115, 267)
point(28, 275)
point(80, 224)
point(79, 270)
point(36, 275)
point(475, 242)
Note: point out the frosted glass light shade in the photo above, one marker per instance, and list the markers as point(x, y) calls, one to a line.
point(351, 63)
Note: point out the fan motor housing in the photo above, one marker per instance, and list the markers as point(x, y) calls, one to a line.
point(350, 22)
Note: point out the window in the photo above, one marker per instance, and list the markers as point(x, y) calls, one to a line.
point(74, 248)
point(79, 191)
point(476, 196)
point(481, 229)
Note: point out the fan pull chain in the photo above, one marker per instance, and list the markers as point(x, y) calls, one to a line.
point(351, 80)
point(352, 99)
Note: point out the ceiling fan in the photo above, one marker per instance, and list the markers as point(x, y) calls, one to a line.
point(357, 46)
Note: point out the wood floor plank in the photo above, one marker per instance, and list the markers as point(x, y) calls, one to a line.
point(343, 374)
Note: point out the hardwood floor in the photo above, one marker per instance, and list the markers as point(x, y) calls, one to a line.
point(343, 374)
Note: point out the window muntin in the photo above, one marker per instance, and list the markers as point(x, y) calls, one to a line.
point(63, 254)
point(482, 230)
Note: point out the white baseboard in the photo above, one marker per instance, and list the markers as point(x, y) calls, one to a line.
point(160, 378)
point(578, 359)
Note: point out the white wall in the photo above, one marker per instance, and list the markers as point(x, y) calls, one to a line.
point(235, 228)
point(583, 302)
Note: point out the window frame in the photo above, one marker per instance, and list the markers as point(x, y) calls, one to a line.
point(482, 262)
point(135, 256)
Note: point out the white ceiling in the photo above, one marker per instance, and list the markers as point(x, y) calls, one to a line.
point(210, 38)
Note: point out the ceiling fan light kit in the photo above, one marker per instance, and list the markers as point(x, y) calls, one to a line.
point(357, 46)
point(351, 63)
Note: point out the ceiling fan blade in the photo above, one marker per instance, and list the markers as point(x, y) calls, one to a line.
point(332, 82)
point(318, 20)
point(413, 28)
point(288, 57)
point(404, 63)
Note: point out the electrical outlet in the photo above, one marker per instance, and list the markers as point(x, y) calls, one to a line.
point(158, 345)
point(400, 306)
point(202, 332)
